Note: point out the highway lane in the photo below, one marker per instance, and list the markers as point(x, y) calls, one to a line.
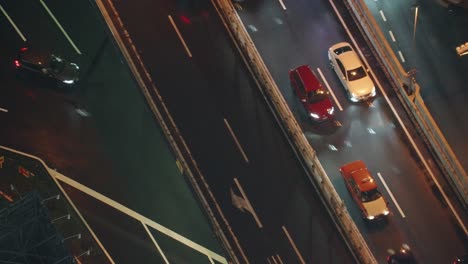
point(302, 35)
point(118, 151)
point(206, 86)
point(440, 72)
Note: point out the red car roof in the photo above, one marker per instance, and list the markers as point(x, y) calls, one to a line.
point(310, 81)
point(358, 171)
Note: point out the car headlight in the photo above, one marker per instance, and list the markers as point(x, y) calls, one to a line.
point(386, 212)
point(354, 97)
point(373, 93)
point(314, 115)
point(330, 110)
point(69, 81)
point(370, 217)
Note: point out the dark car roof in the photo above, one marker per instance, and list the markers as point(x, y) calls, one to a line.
point(35, 56)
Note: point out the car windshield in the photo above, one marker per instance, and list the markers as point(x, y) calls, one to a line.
point(356, 74)
point(57, 64)
point(370, 196)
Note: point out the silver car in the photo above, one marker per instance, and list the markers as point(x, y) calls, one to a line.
point(351, 72)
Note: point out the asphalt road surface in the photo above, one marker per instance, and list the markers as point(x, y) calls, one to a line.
point(114, 146)
point(430, 49)
point(215, 103)
point(302, 34)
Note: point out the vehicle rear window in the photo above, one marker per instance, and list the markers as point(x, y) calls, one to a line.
point(317, 95)
point(370, 196)
point(338, 51)
point(356, 74)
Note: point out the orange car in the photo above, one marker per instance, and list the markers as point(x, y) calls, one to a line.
point(363, 188)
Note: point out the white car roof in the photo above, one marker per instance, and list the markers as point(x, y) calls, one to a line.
point(349, 59)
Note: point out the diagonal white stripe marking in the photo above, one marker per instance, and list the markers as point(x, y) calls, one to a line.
point(291, 241)
point(180, 36)
point(236, 141)
point(12, 23)
point(60, 27)
point(140, 218)
point(155, 243)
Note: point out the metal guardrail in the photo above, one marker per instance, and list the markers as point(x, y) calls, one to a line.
point(334, 204)
point(407, 89)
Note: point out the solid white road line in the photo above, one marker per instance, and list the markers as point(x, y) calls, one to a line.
point(146, 221)
point(391, 194)
point(237, 141)
point(180, 36)
point(282, 4)
point(392, 36)
point(12, 23)
point(383, 15)
point(301, 259)
point(395, 113)
point(4, 110)
point(61, 28)
point(329, 89)
point(248, 203)
point(155, 243)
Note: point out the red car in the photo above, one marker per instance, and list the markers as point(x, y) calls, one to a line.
point(363, 188)
point(311, 93)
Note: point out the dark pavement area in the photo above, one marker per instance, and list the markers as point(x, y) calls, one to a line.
point(439, 70)
point(118, 150)
point(367, 131)
point(214, 85)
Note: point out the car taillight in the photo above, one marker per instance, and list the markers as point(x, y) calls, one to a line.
point(17, 63)
point(23, 49)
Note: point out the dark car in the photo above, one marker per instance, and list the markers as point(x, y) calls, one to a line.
point(49, 66)
point(461, 260)
point(402, 256)
point(312, 95)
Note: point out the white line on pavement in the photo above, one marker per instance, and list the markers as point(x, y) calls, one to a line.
point(248, 203)
point(4, 110)
point(155, 243)
point(166, 231)
point(180, 36)
point(401, 56)
point(383, 16)
point(211, 260)
point(395, 113)
point(330, 89)
point(237, 141)
point(12, 23)
point(280, 261)
point(301, 259)
point(61, 28)
point(282, 4)
point(391, 194)
point(392, 36)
